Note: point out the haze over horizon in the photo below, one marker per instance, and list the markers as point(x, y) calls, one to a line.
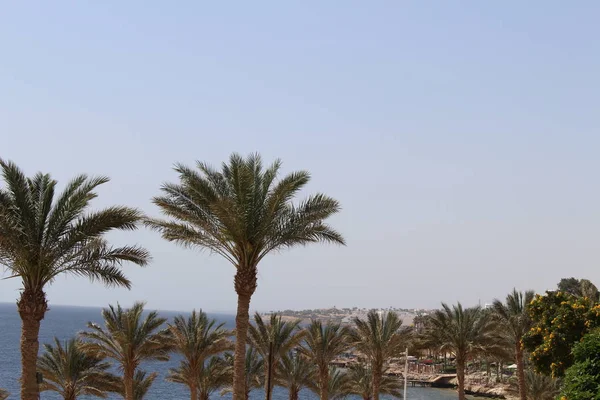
point(462, 142)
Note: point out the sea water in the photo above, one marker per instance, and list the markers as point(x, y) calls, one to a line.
point(64, 322)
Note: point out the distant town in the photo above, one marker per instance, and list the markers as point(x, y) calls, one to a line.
point(347, 315)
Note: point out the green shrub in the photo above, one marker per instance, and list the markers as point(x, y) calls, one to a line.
point(582, 379)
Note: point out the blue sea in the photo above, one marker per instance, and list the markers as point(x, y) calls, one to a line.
point(65, 322)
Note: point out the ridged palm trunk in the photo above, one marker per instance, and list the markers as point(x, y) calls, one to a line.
point(460, 375)
point(376, 382)
point(521, 372)
point(294, 393)
point(128, 380)
point(245, 286)
point(194, 392)
point(32, 307)
point(324, 382)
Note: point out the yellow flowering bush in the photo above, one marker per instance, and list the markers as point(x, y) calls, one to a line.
point(559, 321)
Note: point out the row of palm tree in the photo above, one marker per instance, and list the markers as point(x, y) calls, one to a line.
point(279, 353)
point(241, 212)
point(468, 333)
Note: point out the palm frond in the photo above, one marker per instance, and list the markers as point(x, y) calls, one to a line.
point(43, 235)
point(240, 212)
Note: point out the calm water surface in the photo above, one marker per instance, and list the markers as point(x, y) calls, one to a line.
point(64, 322)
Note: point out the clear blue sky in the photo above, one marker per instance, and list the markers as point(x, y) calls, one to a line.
point(462, 138)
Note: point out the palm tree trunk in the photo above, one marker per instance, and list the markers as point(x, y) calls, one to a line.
point(376, 382)
point(32, 307)
point(521, 372)
point(460, 374)
point(245, 284)
point(324, 382)
point(293, 394)
point(128, 375)
point(193, 391)
point(242, 319)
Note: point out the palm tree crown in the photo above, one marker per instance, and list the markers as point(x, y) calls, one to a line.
point(515, 320)
point(294, 372)
point(215, 374)
point(360, 383)
point(323, 343)
point(129, 339)
point(337, 386)
point(196, 338)
point(379, 338)
point(141, 384)
point(241, 213)
point(273, 340)
point(464, 332)
point(44, 235)
point(70, 372)
point(254, 368)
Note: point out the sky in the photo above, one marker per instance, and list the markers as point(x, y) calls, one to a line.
point(461, 138)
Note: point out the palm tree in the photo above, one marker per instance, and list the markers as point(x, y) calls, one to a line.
point(216, 374)
point(70, 372)
point(272, 341)
point(360, 382)
point(129, 339)
point(378, 338)
point(254, 368)
point(4, 394)
point(196, 338)
point(541, 387)
point(141, 384)
point(43, 236)
point(294, 372)
point(323, 343)
point(242, 214)
point(464, 332)
point(337, 384)
point(516, 323)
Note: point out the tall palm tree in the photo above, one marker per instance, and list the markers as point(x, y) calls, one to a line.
point(272, 340)
point(464, 332)
point(129, 339)
point(515, 323)
point(242, 214)
point(71, 373)
point(323, 343)
point(294, 372)
point(360, 382)
point(254, 368)
point(196, 338)
point(378, 338)
point(43, 236)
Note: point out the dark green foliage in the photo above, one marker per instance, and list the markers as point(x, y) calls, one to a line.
point(582, 379)
point(540, 386)
point(70, 372)
point(43, 235)
point(579, 288)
